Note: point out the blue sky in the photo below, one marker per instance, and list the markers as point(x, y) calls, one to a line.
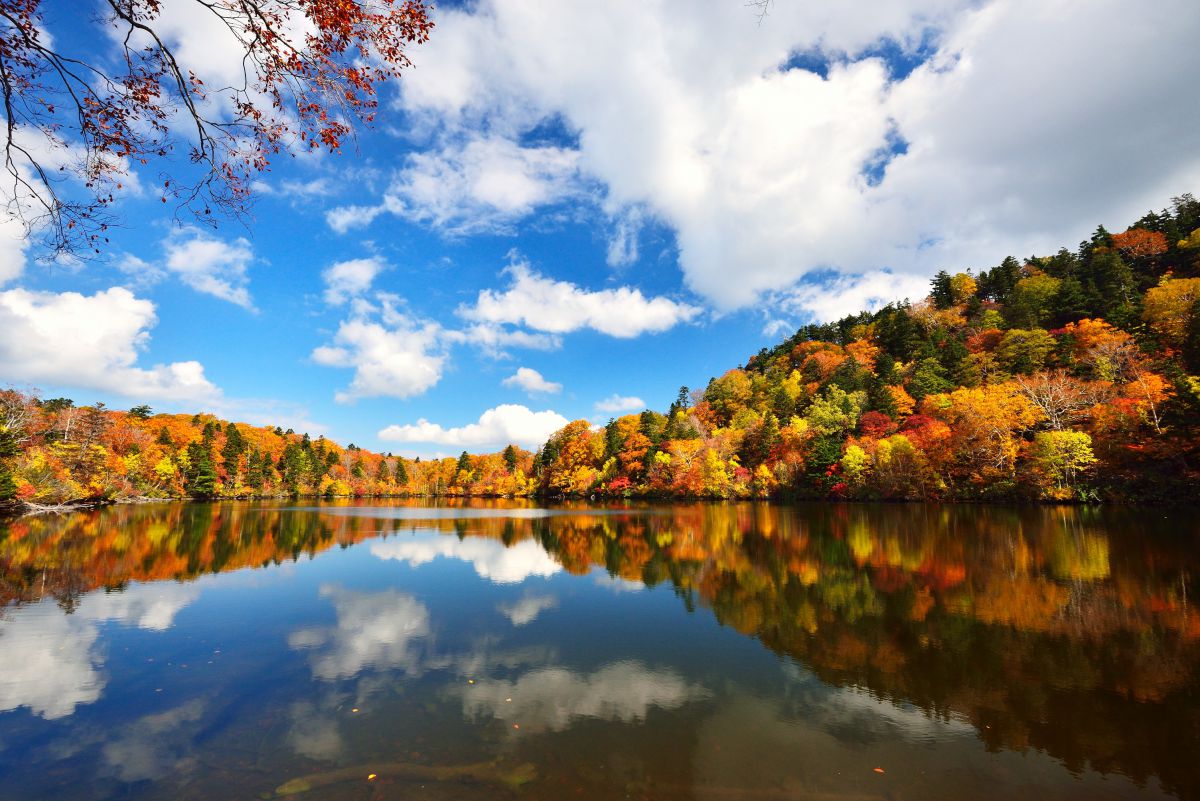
point(624, 198)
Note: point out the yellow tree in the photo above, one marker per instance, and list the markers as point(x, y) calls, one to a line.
point(1169, 307)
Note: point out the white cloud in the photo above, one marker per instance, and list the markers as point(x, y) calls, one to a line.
point(850, 294)
point(395, 356)
point(211, 265)
point(481, 184)
point(767, 175)
point(91, 342)
point(559, 307)
point(380, 630)
point(623, 244)
point(491, 559)
point(552, 698)
point(527, 608)
point(296, 190)
point(615, 404)
point(775, 328)
point(495, 339)
point(13, 244)
point(531, 381)
point(351, 278)
point(499, 426)
point(344, 218)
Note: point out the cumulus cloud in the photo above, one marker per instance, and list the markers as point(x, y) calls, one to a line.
point(91, 342)
point(379, 630)
point(552, 698)
point(495, 340)
point(531, 381)
point(351, 278)
point(211, 265)
point(559, 307)
point(616, 404)
point(392, 353)
point(344, 218)
point(491, 559)
point(848, 294)
point(13, 244)
point(768, 172)
point(502, 425)
point(482, 184)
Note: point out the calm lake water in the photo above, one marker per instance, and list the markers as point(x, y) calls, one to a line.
point(501, 650)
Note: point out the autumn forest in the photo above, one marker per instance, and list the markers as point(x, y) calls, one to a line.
point(1068, 377)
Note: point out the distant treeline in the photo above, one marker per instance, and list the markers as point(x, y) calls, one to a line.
point(1074, 376)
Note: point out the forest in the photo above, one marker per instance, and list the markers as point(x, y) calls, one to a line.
point(1073, 377)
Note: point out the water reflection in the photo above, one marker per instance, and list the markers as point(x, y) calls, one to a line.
point(551, 698)
point(53, 663)
point(527, 609)
point(491, 559)
point(1069, 632)
point(380, 630)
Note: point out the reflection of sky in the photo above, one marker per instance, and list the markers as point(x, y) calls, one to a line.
point(854, 712)
point(374, 630)
point(527, 608)
point(551, 698)
point(490, 558)
point(155, 744)
point(51, 660)
point(445, 513)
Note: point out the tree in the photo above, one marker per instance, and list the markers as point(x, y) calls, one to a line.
point(510, 459)
point(1059, 457)
point(1168, 308)
point(1139, 243)
point(309, 68)
point(201, 475)
point(1062, 398)
point(142, 412)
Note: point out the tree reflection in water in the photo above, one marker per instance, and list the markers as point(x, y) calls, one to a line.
point(1067, 630)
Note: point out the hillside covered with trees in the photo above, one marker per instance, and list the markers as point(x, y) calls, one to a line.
point(1066, 377)
point(1069, 377)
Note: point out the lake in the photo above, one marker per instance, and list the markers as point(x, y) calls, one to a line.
point(492, 649)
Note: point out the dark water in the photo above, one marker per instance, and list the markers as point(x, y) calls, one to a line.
point(680, 652)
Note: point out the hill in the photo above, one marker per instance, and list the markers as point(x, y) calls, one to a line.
point(1069, 377)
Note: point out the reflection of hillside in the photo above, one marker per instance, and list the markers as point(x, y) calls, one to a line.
point(1050, 628)
point(1033, 624)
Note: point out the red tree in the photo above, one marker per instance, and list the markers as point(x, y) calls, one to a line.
point(309, 69)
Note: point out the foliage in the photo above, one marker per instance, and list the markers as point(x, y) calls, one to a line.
point(310, 68)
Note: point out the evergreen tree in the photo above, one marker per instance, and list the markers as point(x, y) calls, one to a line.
point(200, 479)
point(401, 474)
point(255, 465)
point(231, 453)
point(941, 292)
point(463, 467)
point(928, 378)
point(510, 459)
point(996, 284)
